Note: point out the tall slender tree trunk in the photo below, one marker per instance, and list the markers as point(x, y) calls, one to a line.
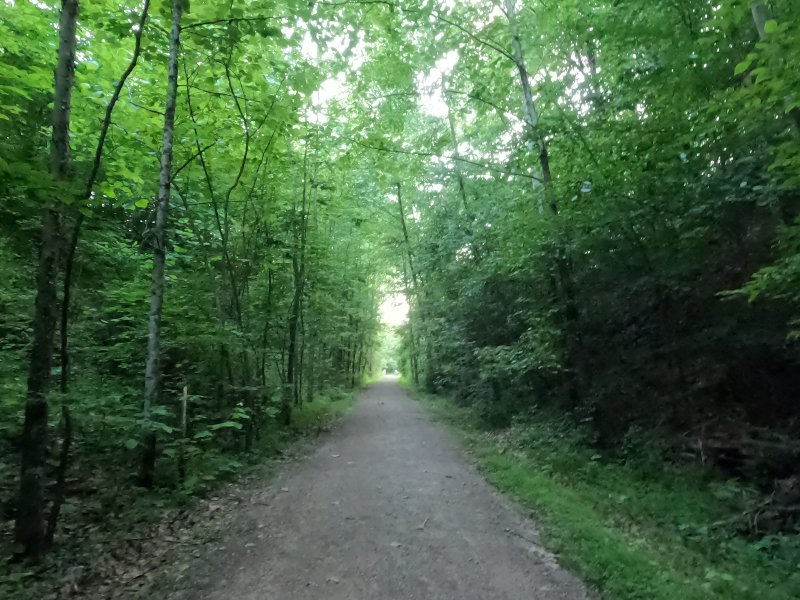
point(406, 239)
point(462, 188)
point(412, 336)
point(417, 288)
point(312, 371)
point(264, 350)
point(87, 194)
point(761, 15)
point(564, 288)
point(152, 378)
point(60, 489)
point(298, 386)
point(29, 526)
point(59, 494)
point(292, 359)
point(298, 271)
point(469, 218)
point(529, 107)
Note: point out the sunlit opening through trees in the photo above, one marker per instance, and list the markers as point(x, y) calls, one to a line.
point(394, 310)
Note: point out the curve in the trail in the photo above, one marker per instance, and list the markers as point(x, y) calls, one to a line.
point(386, 508)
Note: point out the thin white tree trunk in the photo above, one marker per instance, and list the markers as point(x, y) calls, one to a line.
point(529, 108)
point(152, 378)
point(761, 15)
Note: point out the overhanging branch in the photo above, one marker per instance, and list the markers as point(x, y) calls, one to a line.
point(494, 168)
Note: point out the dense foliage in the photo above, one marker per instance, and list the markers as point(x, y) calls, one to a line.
point(270, 299)
point(643, 274)
point(590, 206)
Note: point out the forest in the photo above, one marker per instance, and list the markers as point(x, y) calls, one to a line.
point(590, 208)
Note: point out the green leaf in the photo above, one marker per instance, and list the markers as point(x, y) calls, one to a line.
point(161, 426)
point(143, 203)
point(743, 66)
point(770, 26)
point(270, 32)
point(108, 191)
point(226, 425)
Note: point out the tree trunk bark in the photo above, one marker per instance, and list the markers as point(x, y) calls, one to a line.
point(563, 261)
point(462, 189)
point(412, 342)
point(29, 526)
point(60, 493)
point(418, 290)
point(312, 371)
point(291, 364)
point(298, 386)
point(87, 194)
point(529, 108)
point(761, 15)
point(298, 271)
point(152, 376)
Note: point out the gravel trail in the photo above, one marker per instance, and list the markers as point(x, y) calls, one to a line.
point(387, 507)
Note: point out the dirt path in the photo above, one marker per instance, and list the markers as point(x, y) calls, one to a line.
point(386, 508)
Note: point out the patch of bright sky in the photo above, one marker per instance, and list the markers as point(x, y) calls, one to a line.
point(435, 188)
point(394, 310)
point(429, 86)
point(335, 87)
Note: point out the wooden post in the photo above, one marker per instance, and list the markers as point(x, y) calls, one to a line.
point(182, 450)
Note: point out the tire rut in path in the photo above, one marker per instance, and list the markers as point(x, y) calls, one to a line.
point(386, 508)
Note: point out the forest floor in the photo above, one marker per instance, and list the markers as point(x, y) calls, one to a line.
point(388, 506)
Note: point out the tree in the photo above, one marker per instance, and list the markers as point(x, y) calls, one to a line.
point(30, 526)
point(152, 377)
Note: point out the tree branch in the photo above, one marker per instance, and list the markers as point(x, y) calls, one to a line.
point(231, 20)
point(463, 160)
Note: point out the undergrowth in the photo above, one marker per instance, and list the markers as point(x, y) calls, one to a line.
point(105, 508)
point(634, 526)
